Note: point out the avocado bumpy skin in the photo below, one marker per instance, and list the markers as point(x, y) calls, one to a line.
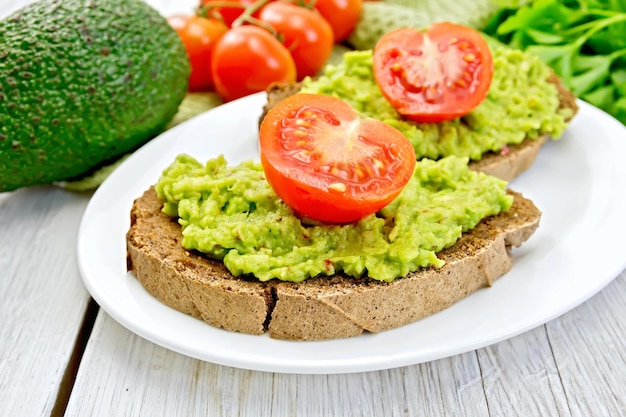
point(82, 82)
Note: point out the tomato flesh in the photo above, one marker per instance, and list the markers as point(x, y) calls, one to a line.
point(328, 163)
point(437, 75)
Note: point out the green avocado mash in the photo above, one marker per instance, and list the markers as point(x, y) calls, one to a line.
point(521, 103)
point(232, 214)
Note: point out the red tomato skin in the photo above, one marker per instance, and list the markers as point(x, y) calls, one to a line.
point(342, 15)
point(306, 34)
point(310, 203)
point(246, 60)
point(228, 14)
point(199, 36)
point(461, 81)
point(307, 186)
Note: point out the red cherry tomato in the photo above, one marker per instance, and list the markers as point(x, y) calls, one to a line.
point(342, 15)
point(247, 59)
point(199, 35)
point(329, 163)
point(305, 33)
point(436, 75)
point(221, 9)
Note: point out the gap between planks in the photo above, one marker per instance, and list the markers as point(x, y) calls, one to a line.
point(69, 376)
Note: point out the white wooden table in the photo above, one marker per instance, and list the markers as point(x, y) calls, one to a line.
point(61, 355)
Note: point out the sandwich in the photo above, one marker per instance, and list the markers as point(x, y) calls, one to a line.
point(328, 304)
point(258, 249)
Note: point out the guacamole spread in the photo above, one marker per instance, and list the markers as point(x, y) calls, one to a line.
point(231, 213)
point(521, 103)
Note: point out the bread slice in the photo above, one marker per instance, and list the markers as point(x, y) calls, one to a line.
point(322, 307)
point(507, 164)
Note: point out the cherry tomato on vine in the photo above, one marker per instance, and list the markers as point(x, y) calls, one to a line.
point(342, 15)
point(439, 74)
point(330, 164)
point(199, 36)
point(305, 33)
point(222, 10)
point(247, 59)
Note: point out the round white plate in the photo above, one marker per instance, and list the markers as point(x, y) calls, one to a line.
point(578, 182)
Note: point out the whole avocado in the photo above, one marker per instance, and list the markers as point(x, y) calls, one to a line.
point(82, 82)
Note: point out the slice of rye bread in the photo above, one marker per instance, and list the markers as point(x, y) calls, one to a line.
point(322, 307)
point(506, 165)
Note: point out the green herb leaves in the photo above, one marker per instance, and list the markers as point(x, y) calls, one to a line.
point(584, 42)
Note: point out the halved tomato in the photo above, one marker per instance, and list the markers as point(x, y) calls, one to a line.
point(329, 163)
point(433, 75)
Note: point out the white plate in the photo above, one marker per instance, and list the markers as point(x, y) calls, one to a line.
point(578, 182)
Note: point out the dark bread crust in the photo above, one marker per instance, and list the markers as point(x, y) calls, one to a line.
point(192, 284)
point(506, 165)
point(324, 307)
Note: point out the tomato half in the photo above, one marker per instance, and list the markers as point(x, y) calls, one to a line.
point(330, 164)
point(436, 75)
point(342, 15)
point(305, 33)
point(247, 59)
point(199, 36)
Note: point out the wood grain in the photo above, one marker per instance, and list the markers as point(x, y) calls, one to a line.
point(42, 299)
point(589, 347)
point(156, 380)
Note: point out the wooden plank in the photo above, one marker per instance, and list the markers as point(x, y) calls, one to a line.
point(573, 366)
point(123, 374)
point(589, 347)
point(42, 298)
point(521, 378)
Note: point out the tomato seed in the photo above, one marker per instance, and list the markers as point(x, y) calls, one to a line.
point(338, 186)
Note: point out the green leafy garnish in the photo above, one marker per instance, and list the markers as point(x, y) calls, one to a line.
point(584, 42)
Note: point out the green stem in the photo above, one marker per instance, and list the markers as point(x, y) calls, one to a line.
point(583, 7)
point(594, 27)
point(246, 16)
point(204, 9)
point(309, 4)
point(256, 22)
point(617, 54)
point(591, 28)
